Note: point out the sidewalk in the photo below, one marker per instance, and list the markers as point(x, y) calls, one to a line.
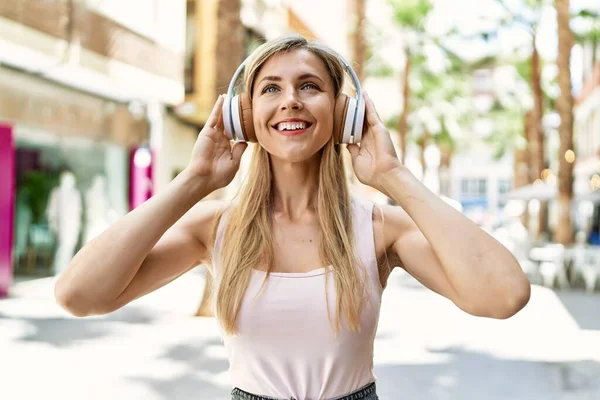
point(425, 348)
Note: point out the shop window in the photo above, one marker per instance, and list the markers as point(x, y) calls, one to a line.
point(67, 192)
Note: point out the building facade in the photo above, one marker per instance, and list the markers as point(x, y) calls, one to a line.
point(587, 143)
point(83, 90)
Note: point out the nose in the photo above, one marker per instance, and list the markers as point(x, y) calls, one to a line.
point(290, 101)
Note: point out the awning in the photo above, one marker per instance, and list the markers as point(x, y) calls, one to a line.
point(543, 191)
point(535, 191)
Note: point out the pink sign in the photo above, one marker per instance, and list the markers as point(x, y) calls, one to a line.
point(7, 196)
point(140, 176)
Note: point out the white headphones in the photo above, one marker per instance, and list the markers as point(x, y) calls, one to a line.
point(349, 112)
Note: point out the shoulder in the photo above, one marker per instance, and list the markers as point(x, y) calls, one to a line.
point(390, 222)
point(201, 220)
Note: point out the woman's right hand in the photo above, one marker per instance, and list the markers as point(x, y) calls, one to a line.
point(214, 158)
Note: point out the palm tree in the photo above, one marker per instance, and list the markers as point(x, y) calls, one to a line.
point(535, 136)
point(437, 101)
point(564, 106)
point(411, 16)
point(230, 40)
point(357, 37)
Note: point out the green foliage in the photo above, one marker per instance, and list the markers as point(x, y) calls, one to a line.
point(411, 13)
point(35, 189)
point(523, 67)
point(444, 139)
point(586, 13)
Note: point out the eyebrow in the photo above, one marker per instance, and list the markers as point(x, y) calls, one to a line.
point(278, 78)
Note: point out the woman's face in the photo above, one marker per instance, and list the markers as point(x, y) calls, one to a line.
point(292, 105)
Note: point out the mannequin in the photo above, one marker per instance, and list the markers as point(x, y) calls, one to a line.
point(97, 209)
point(64, 216)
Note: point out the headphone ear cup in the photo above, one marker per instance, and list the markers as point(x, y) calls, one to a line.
point(360, 120)
point(349, 122)
point(245, 115)
point(235, 118)
point(227, 118)
point(339, 117)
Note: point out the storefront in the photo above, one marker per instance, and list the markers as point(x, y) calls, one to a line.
point(71, 155)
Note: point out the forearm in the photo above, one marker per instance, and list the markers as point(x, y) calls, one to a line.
point(103, 268)
point(479, 268)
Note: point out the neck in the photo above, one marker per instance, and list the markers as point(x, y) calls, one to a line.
point(295, 186)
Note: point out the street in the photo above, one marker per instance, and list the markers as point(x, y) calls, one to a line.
point(426, 348)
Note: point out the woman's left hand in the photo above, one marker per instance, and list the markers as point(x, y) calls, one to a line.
point(375, 156)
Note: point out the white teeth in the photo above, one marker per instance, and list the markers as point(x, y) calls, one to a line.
point(290, 126)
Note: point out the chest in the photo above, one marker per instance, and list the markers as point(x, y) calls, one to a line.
point(298, 305)
point(296, 247)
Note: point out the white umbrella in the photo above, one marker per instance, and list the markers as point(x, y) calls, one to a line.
point(539, 191)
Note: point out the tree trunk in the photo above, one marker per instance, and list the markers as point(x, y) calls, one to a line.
point(230, 40)
point(537, 156)
point(537, 142)
point(529, 176)
point(357, 38)
point(403, 121)
point(564, 106)
point(230, 52)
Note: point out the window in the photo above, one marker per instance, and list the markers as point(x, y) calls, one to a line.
point(473, 188)
point(504, 186)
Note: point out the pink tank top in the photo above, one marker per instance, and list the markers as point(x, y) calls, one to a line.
point(285, 346)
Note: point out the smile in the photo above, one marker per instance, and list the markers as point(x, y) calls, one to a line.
point(292, 127)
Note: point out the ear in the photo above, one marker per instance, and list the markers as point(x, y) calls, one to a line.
point(247, 122)
point(339, 117)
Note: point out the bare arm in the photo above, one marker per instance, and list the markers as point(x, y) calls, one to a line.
point(128, 260)
point(436, 243)
point(450, 254)
point(153, 244)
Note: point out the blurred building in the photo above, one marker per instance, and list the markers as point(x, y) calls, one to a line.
point(102, 100)
point(478, 179)
point(84, 92)
point(587, 141)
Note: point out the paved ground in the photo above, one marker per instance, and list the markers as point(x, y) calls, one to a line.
point(425, 348)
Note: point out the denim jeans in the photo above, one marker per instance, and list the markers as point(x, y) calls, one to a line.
point(365, 393)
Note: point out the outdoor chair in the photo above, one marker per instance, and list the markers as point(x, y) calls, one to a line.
point(552, 267)
point(586, 264)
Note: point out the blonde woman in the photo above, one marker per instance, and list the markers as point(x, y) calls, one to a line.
point(299, 262)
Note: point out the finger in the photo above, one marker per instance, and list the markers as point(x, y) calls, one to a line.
point(372, 116)
point(220, 125)
point(354, 150)
point(215, 113)
point(238, 151)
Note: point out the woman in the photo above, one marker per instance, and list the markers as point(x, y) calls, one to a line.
point(299, 263)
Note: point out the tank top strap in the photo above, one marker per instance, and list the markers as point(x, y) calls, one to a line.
point(218, 243)
point(364, 236)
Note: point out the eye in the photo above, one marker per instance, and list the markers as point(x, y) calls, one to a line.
point(310, 86)
point(268, 89)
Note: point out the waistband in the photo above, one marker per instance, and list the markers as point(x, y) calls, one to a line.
point(362, 393)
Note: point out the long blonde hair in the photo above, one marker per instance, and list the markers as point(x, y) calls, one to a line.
point(248, 233)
